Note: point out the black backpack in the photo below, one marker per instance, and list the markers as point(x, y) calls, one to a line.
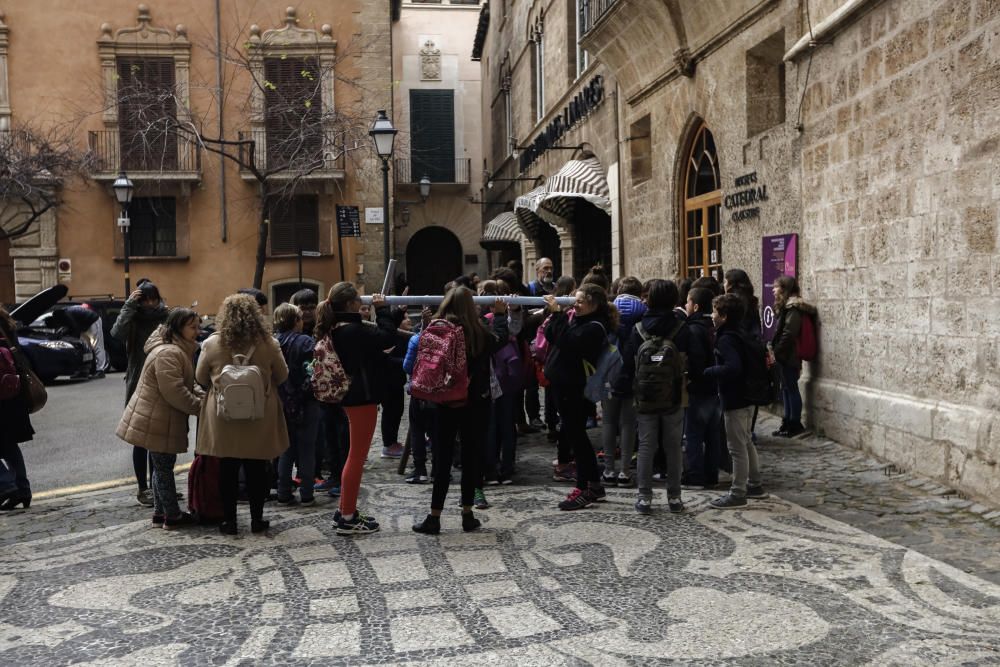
point(761, 383)
point(660, 369)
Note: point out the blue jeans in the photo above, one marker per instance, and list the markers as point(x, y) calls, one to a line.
point(501, 442)
point(703, 434)
point(302, 452)
point(790, 396)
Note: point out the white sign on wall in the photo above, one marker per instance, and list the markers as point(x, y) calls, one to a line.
point(374, 216)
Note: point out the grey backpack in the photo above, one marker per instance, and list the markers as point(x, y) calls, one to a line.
point(660, 367)
point(240, 390)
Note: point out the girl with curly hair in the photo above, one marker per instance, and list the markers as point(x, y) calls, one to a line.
point(246, 443)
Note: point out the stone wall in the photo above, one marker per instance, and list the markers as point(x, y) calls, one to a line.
point(901, 180)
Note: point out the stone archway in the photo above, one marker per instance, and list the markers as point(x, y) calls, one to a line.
point(433, 258)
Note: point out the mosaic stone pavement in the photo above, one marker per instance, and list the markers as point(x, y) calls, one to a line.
point(774, 584)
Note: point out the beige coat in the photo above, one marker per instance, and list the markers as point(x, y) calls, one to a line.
point(156, 416)
point(250, 439)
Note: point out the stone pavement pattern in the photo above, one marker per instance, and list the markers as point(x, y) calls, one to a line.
point(86, 580)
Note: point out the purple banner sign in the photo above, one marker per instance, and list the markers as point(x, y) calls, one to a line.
point(779, 255)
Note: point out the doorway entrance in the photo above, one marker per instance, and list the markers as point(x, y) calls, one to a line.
point(433, 258)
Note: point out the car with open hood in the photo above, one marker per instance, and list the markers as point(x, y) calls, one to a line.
point(51, 338)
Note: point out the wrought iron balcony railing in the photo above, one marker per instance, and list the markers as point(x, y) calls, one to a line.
point(591, 12)
point(446, 170)
point(163, 156)
point(312, 155)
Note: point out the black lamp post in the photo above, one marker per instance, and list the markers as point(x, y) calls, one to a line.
point(383, 135)
point(123, 188)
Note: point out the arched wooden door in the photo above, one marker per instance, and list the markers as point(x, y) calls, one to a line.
point(701, 204)
point(433, 258)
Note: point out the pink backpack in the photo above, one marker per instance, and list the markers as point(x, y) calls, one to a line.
point(10, 381)
point(329, 380)
point(441, 374)
point(540, 346)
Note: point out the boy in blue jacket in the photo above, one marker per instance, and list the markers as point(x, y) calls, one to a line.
point(730, 371)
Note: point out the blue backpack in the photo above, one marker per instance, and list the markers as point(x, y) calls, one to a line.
point(602, 375)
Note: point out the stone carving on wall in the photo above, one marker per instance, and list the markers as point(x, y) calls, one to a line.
point(430, 62)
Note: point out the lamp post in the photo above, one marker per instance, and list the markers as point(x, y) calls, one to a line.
point(123, 188)
point(383, 135)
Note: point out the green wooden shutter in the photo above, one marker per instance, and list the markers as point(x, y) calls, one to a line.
point(432, 135)
point(294, 221)
point(292, 112)
point(146, 111)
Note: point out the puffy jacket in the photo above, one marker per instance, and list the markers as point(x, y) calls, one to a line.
point(786, 334)
point(362, 350)
point(156, 416)
point(630, 311)
point(729, 369)
point(572, 343)
point(656, 323)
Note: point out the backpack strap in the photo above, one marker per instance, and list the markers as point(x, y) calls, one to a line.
point(244, 359)
point(641, 330)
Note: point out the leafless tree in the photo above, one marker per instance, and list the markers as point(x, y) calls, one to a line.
point(34, 166)
point(301, 134)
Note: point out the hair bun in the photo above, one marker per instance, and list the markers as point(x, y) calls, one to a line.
point(598, 269)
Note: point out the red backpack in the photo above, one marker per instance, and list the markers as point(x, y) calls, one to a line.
point(10, 381)
point(441, 374)
point(807, 345)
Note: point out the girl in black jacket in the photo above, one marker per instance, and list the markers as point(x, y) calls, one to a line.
point(362, 349)
point(468, 421)
point(572, 343)
point(15, 429)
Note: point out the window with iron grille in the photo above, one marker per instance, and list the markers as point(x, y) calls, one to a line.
point(153, 232)
point(293, 111)
point(432, 135)
point(294, 224)
point(146, 112)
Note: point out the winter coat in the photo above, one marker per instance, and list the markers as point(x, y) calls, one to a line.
point(630, 311)
point(656, 323)
point(362, 350)
point(133, 327)
point(297, 349)
point(572, 343)
point(14, 415)
point(729, 369)
point(261, 439)
point(751, 317)
point(701, 354)
point(156, 416)
point(786, 335)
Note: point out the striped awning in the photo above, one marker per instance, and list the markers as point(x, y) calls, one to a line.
point(500, 231)
point(526, 210)
point(578, 180)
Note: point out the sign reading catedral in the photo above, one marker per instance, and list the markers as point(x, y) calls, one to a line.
point(742, 203)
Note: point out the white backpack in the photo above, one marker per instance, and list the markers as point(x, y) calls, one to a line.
point(240, 390)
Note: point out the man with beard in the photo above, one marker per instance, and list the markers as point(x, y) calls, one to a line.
point(142, 313)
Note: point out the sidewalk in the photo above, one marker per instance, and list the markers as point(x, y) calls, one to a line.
point(842, 565)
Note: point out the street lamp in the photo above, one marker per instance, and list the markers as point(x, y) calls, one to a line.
point(383, 135)
point(123, 188)
point(425, 187)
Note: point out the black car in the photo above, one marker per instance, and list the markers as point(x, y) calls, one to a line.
point(50, 340)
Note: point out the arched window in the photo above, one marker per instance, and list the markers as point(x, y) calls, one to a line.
point(701, 229)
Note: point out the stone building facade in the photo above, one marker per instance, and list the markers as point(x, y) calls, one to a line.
point(866, 128)
point(437, 105)
point(202, 240)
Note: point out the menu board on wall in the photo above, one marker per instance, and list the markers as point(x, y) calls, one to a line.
point(779, 255)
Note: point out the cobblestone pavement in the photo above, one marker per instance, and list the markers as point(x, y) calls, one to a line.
point(842, 565)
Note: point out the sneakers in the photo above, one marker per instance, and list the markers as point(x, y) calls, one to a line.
point(728, 502)
point(145, 497)
point(675, 505)
point(431, 525)
point(418, 477)
point(359, 524)
point(782, 431)
point(334, 491)
point(599, 494)
point(394, 451)
point(564, 473)
point(577, 500)
point(479, 500)
point(506, 481)
point(757, 492)
point(794, 429)
point(609, 479)
point(644, 506)
point(289, 501)
point(624, 481)
point(324, 485)
point(659, 477)
point(493, 482)
point(307, 502)
point(470, 522)
point(158, 520)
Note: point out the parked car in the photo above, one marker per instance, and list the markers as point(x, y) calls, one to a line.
point(108, 308)
point(50, 340)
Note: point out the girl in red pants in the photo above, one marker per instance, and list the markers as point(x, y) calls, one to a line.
point(362, 349)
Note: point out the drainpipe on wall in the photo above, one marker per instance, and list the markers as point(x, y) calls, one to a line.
point(621, 193)
point(222, 125)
